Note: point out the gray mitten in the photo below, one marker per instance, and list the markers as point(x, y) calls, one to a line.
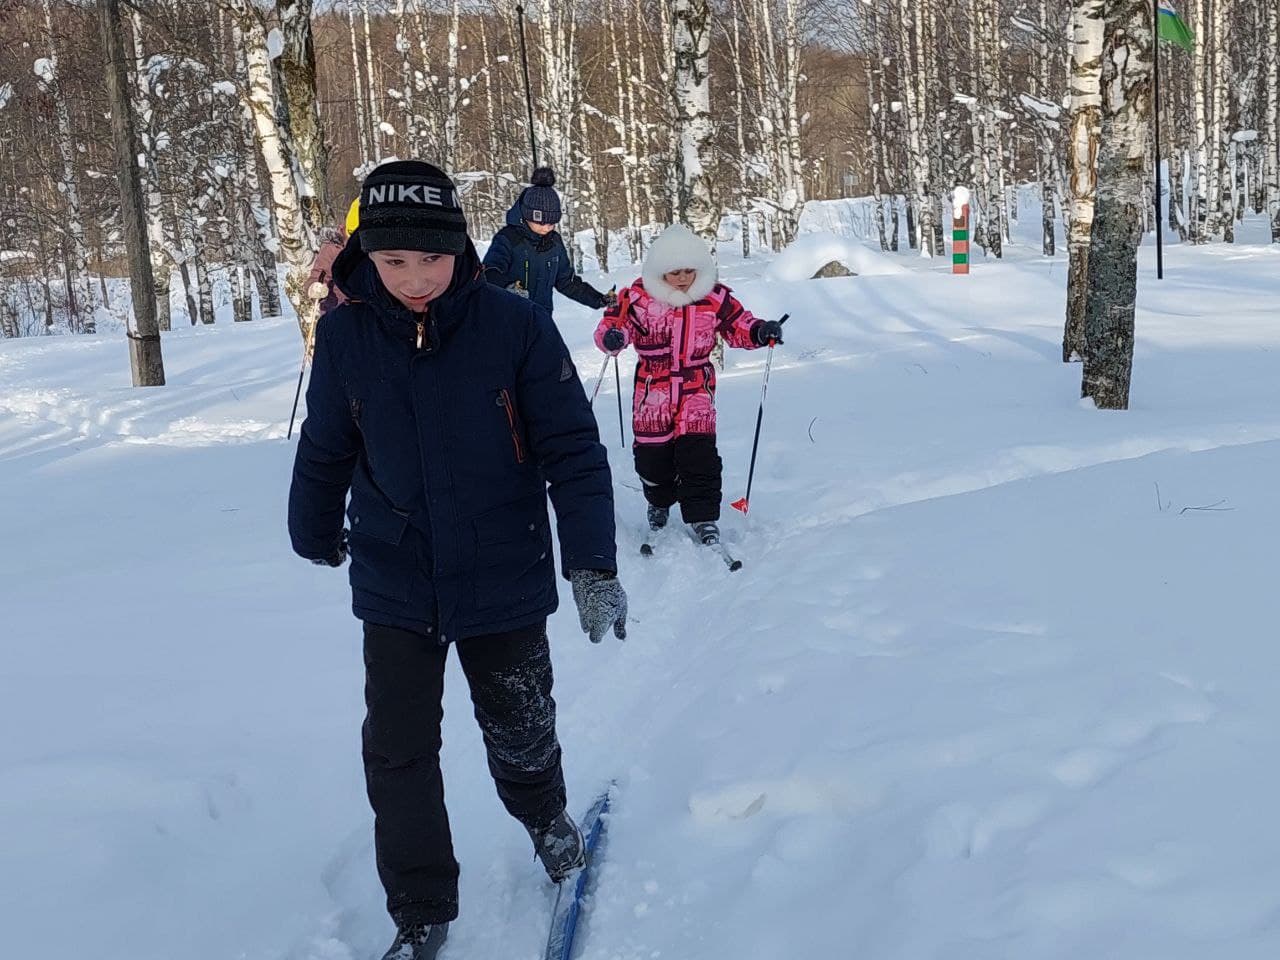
point(602, 603)
point(518, 289)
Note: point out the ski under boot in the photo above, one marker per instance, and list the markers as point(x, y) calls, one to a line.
point(560, 847)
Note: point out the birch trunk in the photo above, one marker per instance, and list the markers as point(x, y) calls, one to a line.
point(1048, 182)
point(296, 241)
point(1199, 71)
point(263, 259)
point(454, 94)
point(795, 198)
point(1083, 147)
point(79, 281)
point(692, 95)
point(362, 122)
point(1117, 225)
point(1218, 200)
point(1271, 142)
point(403, 48)
point(918, 158)
point(624, 119)
point(161, 262)
point(305, 132)
point(370, 86)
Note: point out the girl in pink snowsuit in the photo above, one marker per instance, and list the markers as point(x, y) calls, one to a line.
point(672, 315)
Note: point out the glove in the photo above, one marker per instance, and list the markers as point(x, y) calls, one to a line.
point(339, 555)
point(614, 340)
point(518, 289)
point(611, 298)
point(766, 332)
point(602, 603)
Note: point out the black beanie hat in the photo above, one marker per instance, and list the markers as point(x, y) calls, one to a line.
point(540, 203)
point(411, 205)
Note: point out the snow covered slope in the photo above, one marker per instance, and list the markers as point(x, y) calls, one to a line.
point(997, 681)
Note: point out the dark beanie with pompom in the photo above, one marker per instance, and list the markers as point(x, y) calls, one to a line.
point(540, 203)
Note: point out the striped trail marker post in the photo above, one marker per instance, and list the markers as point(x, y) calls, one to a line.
point(960, 230)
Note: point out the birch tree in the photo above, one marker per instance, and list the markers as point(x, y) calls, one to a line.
point(1087, 35)
point(79, 298)
point(297, 242)
point(1117, 225)
point(1271, 142)
point(304, 133)
point(692, 95)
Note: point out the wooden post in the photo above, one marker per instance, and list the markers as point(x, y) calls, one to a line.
point(960, 230)
point(143, 330)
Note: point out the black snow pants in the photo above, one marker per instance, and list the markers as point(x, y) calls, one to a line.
point(687, 471)
point(510, 679)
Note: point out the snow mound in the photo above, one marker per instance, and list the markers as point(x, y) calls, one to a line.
point(813, 251)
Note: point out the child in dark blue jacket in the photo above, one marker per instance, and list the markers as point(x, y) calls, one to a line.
point(441, 412)
point(528, 257)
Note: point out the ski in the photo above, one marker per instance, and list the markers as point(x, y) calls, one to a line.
point(572, 891)
point(733, 563)
point(730, 561)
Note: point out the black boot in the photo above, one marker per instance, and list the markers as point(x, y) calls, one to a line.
point(658, 517)
point(708, 532)
point(417, 941)
point(560, 847)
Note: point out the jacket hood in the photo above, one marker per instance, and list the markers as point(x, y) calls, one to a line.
point(356, 276)
point(678, 248)
point(514, 219)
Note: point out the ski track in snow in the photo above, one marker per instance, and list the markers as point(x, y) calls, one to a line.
point(933, 717)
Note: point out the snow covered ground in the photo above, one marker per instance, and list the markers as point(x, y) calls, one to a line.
point(998, 679)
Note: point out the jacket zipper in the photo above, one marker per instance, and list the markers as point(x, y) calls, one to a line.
point(504, 399)
point(422, 326)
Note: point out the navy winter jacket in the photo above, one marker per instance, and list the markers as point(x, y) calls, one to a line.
point(447, 451)
point(541, 264)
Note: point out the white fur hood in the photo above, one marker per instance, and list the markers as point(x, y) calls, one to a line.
point(678, 247)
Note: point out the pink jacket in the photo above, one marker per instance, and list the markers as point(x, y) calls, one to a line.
point(675, 381)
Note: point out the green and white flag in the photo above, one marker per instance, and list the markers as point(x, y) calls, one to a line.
point(1173, 28)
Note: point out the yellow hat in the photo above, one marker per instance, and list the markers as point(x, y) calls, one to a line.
point(353, 216)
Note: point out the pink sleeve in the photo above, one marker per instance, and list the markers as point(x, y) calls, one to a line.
point(735, 323)
point(615, 318)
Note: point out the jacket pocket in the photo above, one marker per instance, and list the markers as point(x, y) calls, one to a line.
point(513, 423)
point(382, 562)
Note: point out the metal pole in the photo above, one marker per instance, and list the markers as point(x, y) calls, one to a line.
point(528, 93)
point(617, 381)
point(1155, 36)
point(604, 367)
point(744, 505)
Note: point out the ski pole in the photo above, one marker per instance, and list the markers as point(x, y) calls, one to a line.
point(307, 346)
point(604, 367)
point(744, 504)
point(296, 396)
point(617, 379)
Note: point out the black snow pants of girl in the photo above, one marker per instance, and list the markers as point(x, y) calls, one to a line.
point(686, 470)
point(510, 679)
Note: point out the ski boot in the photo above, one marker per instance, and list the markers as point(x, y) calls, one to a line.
point(417, 941)
point(707, 532)
point(560, 847)
point(658, 517)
